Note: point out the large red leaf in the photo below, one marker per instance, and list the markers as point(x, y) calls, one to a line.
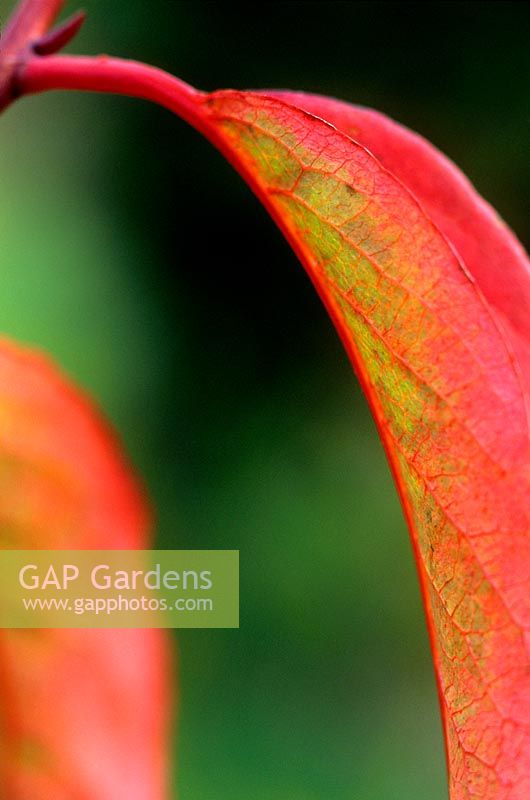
point(84, 712)
point(436, 360)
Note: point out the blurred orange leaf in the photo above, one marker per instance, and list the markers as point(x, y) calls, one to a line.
point(84, 713)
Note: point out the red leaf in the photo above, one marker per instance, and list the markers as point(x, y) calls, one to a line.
point(84, 711)
point(436, 360)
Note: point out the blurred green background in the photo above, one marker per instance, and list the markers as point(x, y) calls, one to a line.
point(134, 255)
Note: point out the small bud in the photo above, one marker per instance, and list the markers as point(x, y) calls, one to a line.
point(55, 40)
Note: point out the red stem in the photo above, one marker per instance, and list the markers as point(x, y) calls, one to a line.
point(113, 75)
